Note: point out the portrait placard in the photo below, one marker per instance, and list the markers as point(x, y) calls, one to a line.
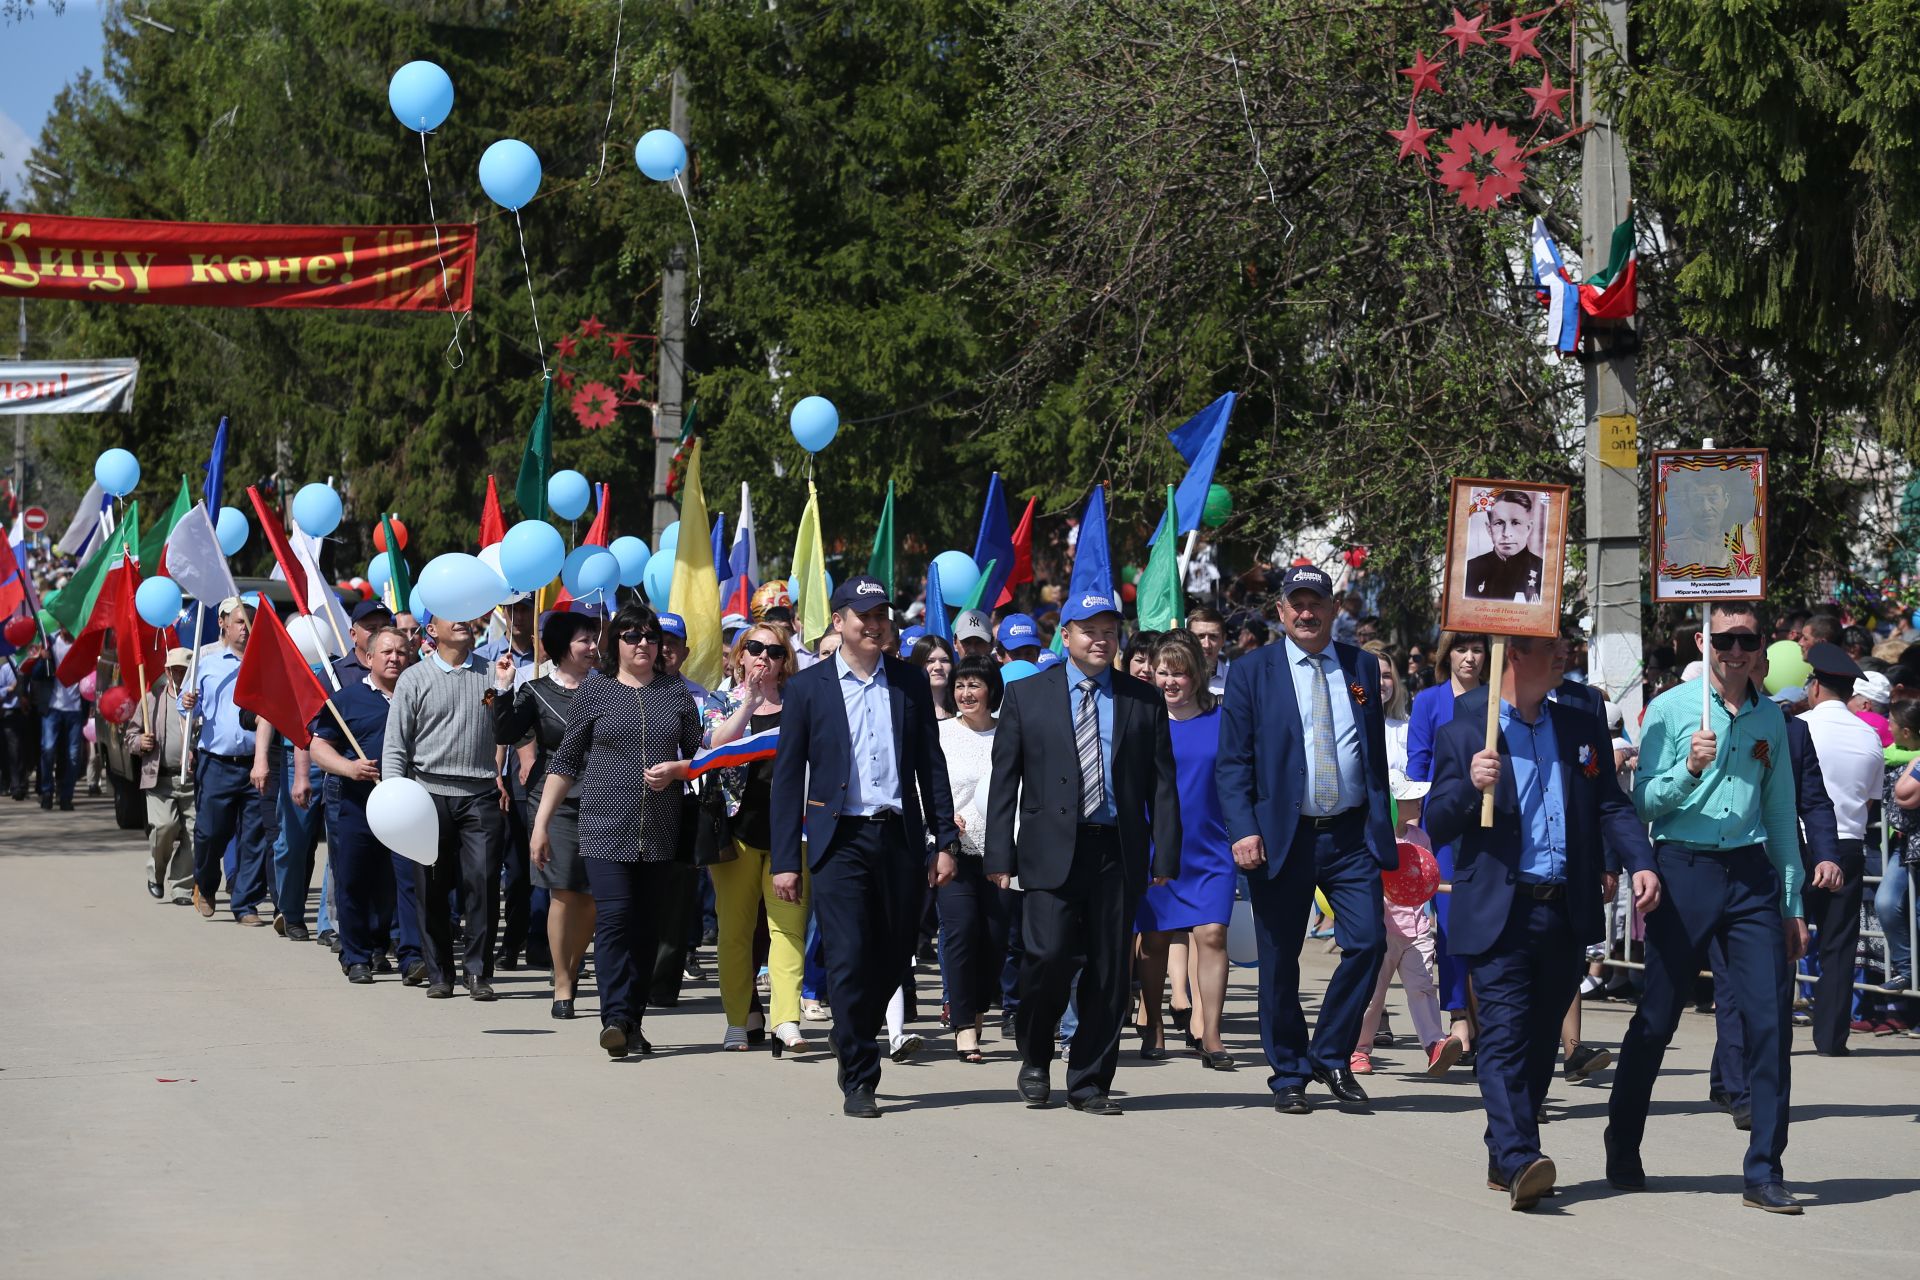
point(1506, 557)
point(1709, 524)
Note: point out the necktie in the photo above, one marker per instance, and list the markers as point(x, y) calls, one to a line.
point(1086, 739)
point(1326, 766)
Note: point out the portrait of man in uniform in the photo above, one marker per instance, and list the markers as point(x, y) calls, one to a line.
point(1506, 557)
point(1511, 569)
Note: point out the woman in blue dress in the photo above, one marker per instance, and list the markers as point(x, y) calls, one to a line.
point(1464, 660)
point(1195, 906)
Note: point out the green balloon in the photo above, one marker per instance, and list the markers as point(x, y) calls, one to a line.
point(1130, 573)
point(1786, 667)
point(1218, 507)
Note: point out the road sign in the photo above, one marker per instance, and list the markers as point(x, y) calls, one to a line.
point(35, 519)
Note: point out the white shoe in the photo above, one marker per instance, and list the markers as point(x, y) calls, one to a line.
point(906, 1046)
point(735, 1041)
point(814, 1011)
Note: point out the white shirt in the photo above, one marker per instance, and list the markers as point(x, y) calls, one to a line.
point(1850, 760)
point(969, 754)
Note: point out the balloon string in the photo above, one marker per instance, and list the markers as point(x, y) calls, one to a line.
point(453, 348)
point(538, 342)
point(607, 125)
point(680, 180)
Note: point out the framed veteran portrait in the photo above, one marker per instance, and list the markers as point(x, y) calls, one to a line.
point(1709, 524)
point(1506, 557)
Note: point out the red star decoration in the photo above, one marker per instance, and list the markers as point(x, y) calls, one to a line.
point(1743, 563)
point(565, 379)
point(1413, 138)
point(566, 346)
point(1519, 41)
point(622, 347)
point(1424, 74)
point(1546, 98)
point(630, 381)
point(1465, 31)
point(592, 328)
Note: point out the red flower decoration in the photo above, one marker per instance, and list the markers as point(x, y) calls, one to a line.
point(594, 406)
point(1491, 145)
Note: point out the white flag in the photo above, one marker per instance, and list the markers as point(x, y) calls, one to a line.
point(195, 561)
point(86, 521)
point(323, 602)
point(745, 532)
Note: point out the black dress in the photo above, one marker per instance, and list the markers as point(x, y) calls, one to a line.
point(540, 707)
point(613, 733)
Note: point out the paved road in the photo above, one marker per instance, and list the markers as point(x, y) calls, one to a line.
point(180, 1097)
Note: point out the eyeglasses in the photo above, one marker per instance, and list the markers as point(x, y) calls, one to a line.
point(638, 638)
point(772, 650)
point(1748, 641)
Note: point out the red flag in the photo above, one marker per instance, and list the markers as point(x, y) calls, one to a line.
point(282, 553)
point(275, 682)
point(493, 526)
point(84, 654)
point(1022, 555)
point(139, 645)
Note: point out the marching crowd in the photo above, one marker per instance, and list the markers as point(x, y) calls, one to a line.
point(1070, 843)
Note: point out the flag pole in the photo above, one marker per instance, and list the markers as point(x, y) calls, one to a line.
point(337, 719)
point(193, 673)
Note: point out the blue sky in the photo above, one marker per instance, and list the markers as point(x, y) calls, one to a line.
point(38, 56)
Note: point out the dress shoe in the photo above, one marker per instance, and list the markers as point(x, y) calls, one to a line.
point(154, 890)
point(1585, 1060)
point(440, 991)
point(859, 1104)
point(1624, 1171)
point(1217, 1060)
point(1341, 1084)
point(1291, 1100)
point(1773, 1198)
point(202, 903)
point(182, 900)
point(416, 975)
point(1153, 1053)
point(480, 989)
point(46, 802)
point(1034, 1087)
point(639, 1045)
point(1531, 1183)
point(66, 806)
point(508, 964)
point(1721, 1100)
point(361, 974)
point(563, 1009)
point(1098, 1105)
point(613, 1038)
point(1497, 1183)
point(330, 939)
point(252, 920)
point(279, 924)
point(1742, 1118)
point(298, 933)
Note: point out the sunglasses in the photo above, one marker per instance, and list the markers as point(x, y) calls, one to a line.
point(637, 638)
point(1748, 641)
point(772, 650)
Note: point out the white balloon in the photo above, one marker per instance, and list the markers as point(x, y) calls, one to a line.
point(490, 557)
point(314, 639)
point(1243, 947)
point(402, 817)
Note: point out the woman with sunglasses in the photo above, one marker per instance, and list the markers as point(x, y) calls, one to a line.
point(635, 722)
point(540, 706)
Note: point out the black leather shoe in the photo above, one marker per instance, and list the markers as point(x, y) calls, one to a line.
point(1291, 1100)
point(480, 989)
point(1153, 1052)
point(361, 974)
point(1497, 1183)
point(1098, 1105)
point(1531, 1183)
point(1341, 1084)
point(563, 1008)
point(1773, 1198)
point(1721, 1100)
point(298, 933)
point(439, 991)
point(1034, 1087)
point(1624, 1172)
point(859, 1105)
point(613, 1038)
point(1742, 1119)
point(416, 975)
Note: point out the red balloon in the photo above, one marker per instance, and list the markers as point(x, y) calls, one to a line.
point(1415, 880)
point(116, 704)
point(1128, 592)
point(399, 533)
point(20, 632)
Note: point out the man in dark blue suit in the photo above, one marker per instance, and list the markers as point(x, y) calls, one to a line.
point(1527, 891)
point(1302, 779)
point(860, 773)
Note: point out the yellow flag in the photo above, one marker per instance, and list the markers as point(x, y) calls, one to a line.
point(696, 591)
point(810, 573)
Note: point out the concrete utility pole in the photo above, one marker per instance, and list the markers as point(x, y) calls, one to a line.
point(20, 427)
point(1612, 453)
point(673, 335)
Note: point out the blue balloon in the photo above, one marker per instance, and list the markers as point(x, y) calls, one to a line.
point(509, 173)
point(669, 539)
point(158, 602)
point(590, 573)
point(633, 556)
point(421, 95)
point(1019, 669)
point(568, 493)
point(316, 509)
point(117, 471)
point(531, 554)
point(814, 422)
point(231, 530)
point(959, 575)
point(658, 580)
point(660, 154)
point(457, 585)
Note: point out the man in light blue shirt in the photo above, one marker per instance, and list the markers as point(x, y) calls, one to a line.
point(62, 744)
point(228, 803)
point(873, 786)
point(1537, 781)
point(1349, 788)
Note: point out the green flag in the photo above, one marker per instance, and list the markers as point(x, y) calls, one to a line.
point(71, 606)
point(399, 593)
point(154, 540)
point(881, 565)
point(1162, 605)
point(980, 586)
point(536, 464)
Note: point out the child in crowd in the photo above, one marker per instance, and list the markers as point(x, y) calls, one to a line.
point(1410, 954)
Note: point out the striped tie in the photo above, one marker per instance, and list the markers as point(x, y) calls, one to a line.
point(1326, 766)
point(1086, 739)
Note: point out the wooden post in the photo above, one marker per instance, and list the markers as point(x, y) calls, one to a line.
point(353, 741)
point(1496, 669)
point(1706, 653)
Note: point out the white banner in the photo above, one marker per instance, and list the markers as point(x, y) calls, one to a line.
point(67, 386)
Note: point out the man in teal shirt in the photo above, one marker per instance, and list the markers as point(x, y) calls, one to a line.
point(1727, 847)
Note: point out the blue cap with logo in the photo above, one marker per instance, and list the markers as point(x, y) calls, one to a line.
point(1087, 604)
point(1046, 659)
point(859, 594)
point(911, 634)
point(367, 609)
point(674, 625)
point(1017, 631)
point(1306, 577)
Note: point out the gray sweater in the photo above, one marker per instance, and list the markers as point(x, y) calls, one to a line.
point(440, 730)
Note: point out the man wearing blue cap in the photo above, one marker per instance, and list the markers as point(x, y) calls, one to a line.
point(1018, 638)
point(860, 772)
point(1302, 778)
point(1083, 758)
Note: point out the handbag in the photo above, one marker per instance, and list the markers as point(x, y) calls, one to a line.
point(705, 810)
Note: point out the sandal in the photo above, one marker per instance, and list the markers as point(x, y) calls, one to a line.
point(787, 1039)
point(735, 1041)
point(968, 1053)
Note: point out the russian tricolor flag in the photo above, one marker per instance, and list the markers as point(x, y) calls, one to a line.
point(1556, 291)
point(732, 755)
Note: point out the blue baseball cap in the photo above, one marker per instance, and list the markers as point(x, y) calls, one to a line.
point(911, 634)
point(1086, 605)
point(1017, 631)
point(368, 608)
point(860, 593)
point(674, 625)
point(1045, 660)
point(1306, 577)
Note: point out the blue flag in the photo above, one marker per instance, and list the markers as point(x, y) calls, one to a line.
point(937, 623)
point(1198, 441)
point(994, 545)
point(216, 469)
point(1092, 566)
point(720, 548)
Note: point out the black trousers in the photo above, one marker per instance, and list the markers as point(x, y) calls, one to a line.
point(974, 915)
point(470, 847)
point(1834, 916)
point(676, 907)
point(626, 933)
point(1087, 921)
point(866, 897)
point(525, 923)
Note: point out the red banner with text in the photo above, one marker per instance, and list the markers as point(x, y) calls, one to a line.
point(225, 264)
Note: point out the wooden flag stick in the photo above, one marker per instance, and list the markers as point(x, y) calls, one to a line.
point(193, 674)
point(146, 716)
point(1495, 671)
point(1706, 650)
point(353, 741)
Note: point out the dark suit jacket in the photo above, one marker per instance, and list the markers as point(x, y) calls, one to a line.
point(815, 759)
point(1819, 829)
point(1487, 859)
point(1262, 773)
point(1036, 775)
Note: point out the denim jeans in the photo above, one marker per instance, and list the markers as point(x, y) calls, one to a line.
point(63, 746)
point(1890, 904)
point(296, 836)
